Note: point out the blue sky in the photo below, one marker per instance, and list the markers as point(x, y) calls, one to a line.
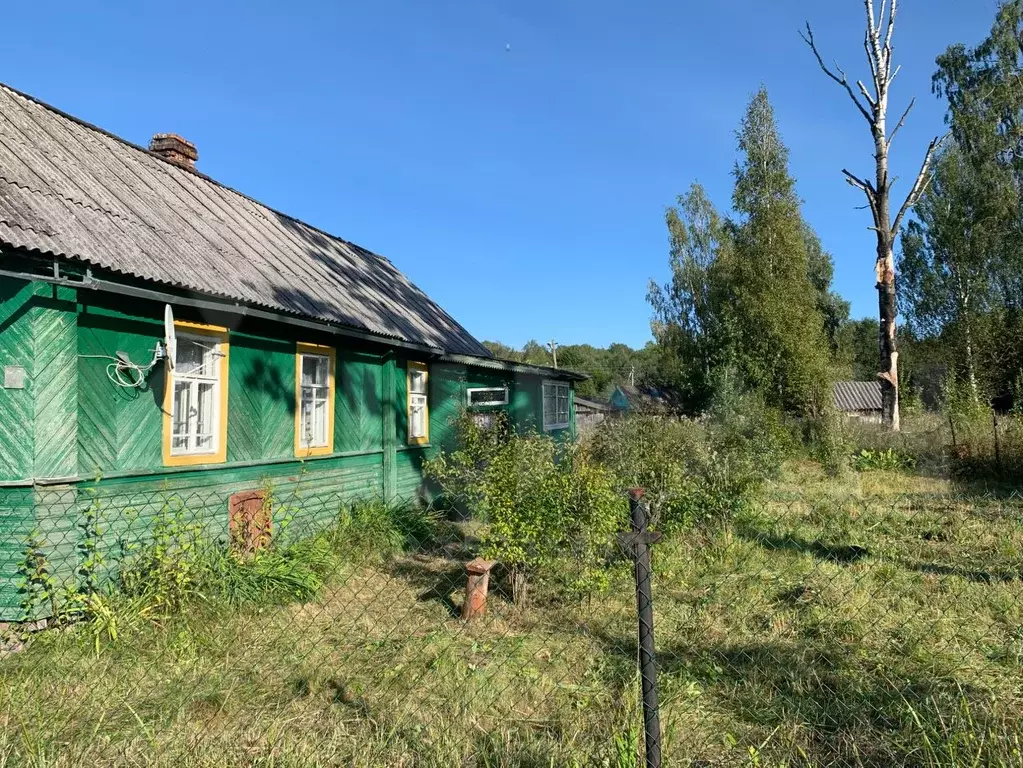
point(513, 157)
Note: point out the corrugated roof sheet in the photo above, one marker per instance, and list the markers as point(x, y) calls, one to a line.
point(591, 405)
point(72, 190)
point(857, 395)
point(512, 366)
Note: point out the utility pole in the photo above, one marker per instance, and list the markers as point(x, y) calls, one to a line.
point(632, 376)
point(554, 351)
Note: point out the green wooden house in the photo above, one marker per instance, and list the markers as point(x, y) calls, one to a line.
point(165, 337)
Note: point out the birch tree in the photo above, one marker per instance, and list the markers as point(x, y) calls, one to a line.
point(872, 101)
point(950, 256)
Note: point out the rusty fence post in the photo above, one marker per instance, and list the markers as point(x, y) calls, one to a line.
point(638, 543)
point(476, 588)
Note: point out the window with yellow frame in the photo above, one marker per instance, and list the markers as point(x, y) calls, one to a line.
point(314, 400)
point(418, 404)
point(195, 397)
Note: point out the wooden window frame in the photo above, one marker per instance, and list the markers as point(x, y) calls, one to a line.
point(220, 336)
point(330, 353)
point(550, 427)
point(470, 404)
point(415, 366)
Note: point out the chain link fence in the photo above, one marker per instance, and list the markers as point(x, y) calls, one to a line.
point(810, 629)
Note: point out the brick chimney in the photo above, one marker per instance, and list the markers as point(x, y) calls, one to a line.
point(174, 148)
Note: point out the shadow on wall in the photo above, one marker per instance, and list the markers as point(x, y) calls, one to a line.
point(269, 380)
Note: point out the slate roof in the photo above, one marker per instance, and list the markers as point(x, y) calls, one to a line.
point(857, 395)
point(71, 190)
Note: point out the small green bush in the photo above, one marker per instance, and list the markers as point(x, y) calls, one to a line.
point(550, 511)
point(884, 460)
point(694, 470)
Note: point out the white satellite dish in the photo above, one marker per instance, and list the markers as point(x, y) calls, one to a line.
point(170, 341)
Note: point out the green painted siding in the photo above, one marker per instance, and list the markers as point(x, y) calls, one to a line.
point(119, 429)
point(261, 399)
point(357, 407)
point(17, 406)
point(17, 521)
point(84, 443)
point(409, 464)
point(54, 375)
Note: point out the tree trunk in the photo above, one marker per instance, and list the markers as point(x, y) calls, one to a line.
point(888, 345)
point(874, 108)
point(971, 368)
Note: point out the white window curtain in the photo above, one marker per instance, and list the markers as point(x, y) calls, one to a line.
point(314, 402)
point(196, 402)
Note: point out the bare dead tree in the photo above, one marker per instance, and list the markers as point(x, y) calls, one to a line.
point(873, 105)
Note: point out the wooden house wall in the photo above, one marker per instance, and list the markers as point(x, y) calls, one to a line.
point(88, 444)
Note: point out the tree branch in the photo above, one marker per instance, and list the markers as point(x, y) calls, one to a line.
point(843, 80)
point(866, 93)
point(923, 180)
point(870, 61)
point(866, 187)
point(891, 24)
point(873, 32)
point(901, 122)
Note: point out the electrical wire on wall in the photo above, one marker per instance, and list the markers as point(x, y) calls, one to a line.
point(123, 372)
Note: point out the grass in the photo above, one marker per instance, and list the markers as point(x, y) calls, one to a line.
point(870, 620)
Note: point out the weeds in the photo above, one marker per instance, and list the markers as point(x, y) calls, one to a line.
point(887, 460)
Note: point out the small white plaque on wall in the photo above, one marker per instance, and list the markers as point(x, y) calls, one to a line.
point(14, 377)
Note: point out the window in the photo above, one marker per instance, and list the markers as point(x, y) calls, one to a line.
point(314, 395)
point(482, 396)
point(195, 404)
point(555, 405)
point(418, 405)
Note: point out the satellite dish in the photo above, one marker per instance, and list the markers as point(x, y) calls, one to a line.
point(170, 341)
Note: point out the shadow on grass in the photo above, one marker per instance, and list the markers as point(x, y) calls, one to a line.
point(980, 577)
point(831, 552)
point(831, 710)
point(437, 580)
point(845, 554)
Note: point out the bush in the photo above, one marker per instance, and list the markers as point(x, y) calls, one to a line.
point(550, 511)
point(885, 460)
point(923, 440)
point(695, 470)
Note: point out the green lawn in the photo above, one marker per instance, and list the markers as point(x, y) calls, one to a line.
point(876, 620)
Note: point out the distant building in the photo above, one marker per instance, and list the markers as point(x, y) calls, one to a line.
point(644, 399)
point(858, 399)
point(589, 414)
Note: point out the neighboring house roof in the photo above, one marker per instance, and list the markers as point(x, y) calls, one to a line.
point(512, 366)
point(69, 189)
point(593, 405)
point(857, 395)
point(644, 398)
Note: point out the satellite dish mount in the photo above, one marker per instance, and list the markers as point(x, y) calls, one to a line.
point(170, 341)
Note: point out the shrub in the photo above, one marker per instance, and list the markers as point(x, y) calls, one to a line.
point(695, 470)
point(886, 460)
point(550, 511)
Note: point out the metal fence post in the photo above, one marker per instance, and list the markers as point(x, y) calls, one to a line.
point(639, 542)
